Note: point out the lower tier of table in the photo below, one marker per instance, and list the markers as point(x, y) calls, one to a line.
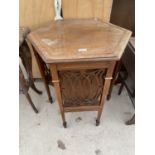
point(82, 86)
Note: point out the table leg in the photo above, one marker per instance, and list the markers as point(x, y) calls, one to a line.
point(55, 81)
point(41, 68)
point(106, 87)
point(98, 117)
point(103, 99)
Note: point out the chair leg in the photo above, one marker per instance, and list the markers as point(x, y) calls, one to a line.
point(41, 68)
point(120, 89)
point(115, 74)
point(31, 103)
point(131, 121)
point(27, 62)
point(34, 87)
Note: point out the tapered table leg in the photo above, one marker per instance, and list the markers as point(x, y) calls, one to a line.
point(55, 80)
point(106, 87)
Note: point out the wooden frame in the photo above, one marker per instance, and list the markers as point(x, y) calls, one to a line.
point(81, 65)
point(72, 66)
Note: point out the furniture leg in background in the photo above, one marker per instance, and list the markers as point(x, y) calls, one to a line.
point(127, 75)
point(25, 87)
point(123, 77)
point(131, 121)
point(25, 67)
point(42, 69)
point(115, 75)
point(123, 14)
point(27, 62)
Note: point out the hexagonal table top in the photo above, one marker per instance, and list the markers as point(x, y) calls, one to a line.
point(75, 40)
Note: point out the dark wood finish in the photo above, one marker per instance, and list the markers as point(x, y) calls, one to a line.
point(42, 68)
point(115, 75)
point(131, 121)
point(25, 87)
point(26, 60)
point(127, 75)
point(30, 101)
point(81, 55)
point(88, 83)
point(123, 14)
point(25, 55)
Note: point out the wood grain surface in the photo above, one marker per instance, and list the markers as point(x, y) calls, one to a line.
point(73, 9)
point(33, 14)
point(79, 40)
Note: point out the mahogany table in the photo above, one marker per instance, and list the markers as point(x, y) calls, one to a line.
point(81, 54)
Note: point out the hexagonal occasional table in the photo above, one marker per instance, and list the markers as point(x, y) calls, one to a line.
point(81, 54)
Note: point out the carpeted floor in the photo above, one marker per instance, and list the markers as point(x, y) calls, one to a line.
point(43, 133)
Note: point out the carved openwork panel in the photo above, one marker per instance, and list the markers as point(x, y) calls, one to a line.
point(81, 87)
